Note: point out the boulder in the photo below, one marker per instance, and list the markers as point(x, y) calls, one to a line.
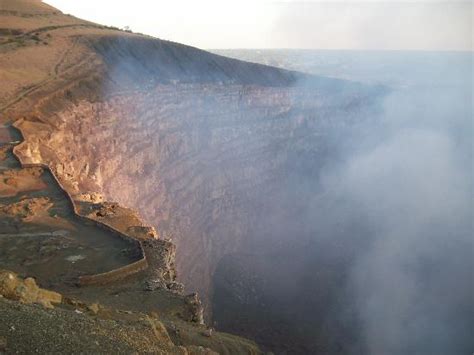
point(26, 291)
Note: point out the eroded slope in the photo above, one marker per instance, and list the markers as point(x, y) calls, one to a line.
point(202, 146)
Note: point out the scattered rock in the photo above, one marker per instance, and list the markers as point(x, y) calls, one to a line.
point(93, 197)
point(94, 308)
point(155, 284)
point(208, 332)
point(26, 291)
point(143, 232)
point(11, 182)
point(28, 207)
point(105, 209)
point(73, 302)
point(176, 287)
point(194, 308)
point(74, 258)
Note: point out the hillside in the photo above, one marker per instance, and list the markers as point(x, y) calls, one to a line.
point(194, 145)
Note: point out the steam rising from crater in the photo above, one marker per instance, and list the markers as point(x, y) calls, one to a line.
point(317, 218)
point(412, 284)
point(413, 184)
point(395, 194)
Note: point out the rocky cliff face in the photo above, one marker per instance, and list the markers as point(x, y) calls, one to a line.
point(206, 148)
point(199, 161)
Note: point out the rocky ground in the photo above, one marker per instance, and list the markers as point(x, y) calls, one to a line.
point(41, 321)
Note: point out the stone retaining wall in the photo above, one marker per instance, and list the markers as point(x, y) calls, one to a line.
point(102, 278)
point(114, 275)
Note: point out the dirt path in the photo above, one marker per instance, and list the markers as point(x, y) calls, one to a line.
point(51, 28)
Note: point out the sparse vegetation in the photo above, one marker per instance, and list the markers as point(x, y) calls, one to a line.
point(10, 32)
point(111, 28)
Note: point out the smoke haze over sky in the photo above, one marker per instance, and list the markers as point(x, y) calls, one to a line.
point(349, 24)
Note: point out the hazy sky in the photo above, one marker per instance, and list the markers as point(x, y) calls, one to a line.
point(350, 24)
